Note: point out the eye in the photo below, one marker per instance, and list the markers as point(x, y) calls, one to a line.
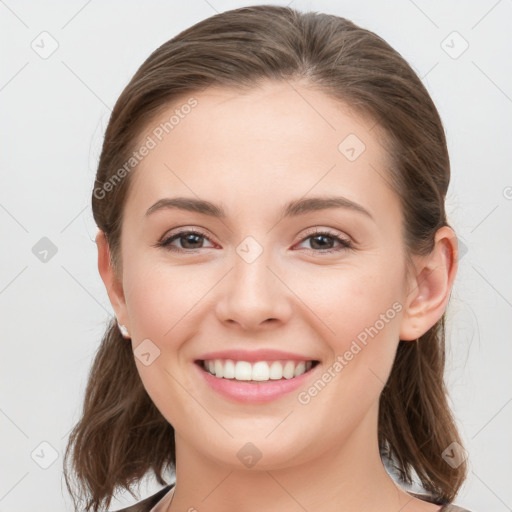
point(318, 241)
point(326, 242)
point(184, 241)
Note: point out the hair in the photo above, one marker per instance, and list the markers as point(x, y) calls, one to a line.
point(121, 435)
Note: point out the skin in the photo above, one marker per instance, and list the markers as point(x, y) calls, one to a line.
point(251, 153)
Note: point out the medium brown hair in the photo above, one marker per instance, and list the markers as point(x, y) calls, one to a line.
point(121, 435)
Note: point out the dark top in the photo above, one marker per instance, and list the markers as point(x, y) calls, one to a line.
point(147, 504)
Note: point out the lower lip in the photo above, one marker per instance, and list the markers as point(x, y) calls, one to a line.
point(254, 392)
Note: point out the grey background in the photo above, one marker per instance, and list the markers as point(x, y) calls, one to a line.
point(53, 305)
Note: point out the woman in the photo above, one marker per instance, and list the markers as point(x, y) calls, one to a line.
point(274, 243)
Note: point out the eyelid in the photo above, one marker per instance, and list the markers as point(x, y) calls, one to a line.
point(319, 230)
point(346, 241)
point(170, 236)
point(181, 230)
point(166, 240)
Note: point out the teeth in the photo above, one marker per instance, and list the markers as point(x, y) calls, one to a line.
point(229, 369)
point(258, 371)
point(276, 370)
point(243, 370)
point(289, 370)
point(300, 369)
point(219, 368)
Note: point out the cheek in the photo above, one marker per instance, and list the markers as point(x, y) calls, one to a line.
point(350, 301)
point(160, 302)
point(358, 312)
point(151, 307)
point(159, 298)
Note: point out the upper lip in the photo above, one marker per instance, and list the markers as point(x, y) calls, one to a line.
point(254, 355)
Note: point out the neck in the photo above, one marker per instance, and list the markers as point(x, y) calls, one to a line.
point(350, 477)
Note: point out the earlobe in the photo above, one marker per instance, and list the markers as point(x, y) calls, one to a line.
point(431, 286)
point(111, 281)
point(123, 330)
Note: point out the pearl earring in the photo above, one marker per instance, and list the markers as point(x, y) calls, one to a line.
point(123, 330)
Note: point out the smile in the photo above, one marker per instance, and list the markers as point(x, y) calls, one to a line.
point(258, 371)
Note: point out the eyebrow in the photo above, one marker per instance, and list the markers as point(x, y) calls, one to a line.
point(291, 209)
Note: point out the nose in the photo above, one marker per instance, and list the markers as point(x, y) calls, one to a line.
point(253, 297)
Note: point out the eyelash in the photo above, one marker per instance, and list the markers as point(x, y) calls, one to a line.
point(344, 242)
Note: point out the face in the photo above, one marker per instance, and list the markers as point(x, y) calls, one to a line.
point(231, 251)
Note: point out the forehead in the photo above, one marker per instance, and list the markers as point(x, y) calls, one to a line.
point(278, 136)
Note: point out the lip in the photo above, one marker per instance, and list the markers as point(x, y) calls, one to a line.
point(254, 392)
point(254, 355)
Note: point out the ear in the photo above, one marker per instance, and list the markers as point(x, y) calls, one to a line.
point(111, 281)
point(430, 286)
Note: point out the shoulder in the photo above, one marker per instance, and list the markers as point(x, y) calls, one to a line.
point(147, 504)
point(453, 508)
point(448, 507)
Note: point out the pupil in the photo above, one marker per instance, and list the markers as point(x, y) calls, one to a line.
point(325, 242)
point(191, 239)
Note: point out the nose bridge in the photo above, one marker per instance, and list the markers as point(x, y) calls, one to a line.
point(252, 294)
